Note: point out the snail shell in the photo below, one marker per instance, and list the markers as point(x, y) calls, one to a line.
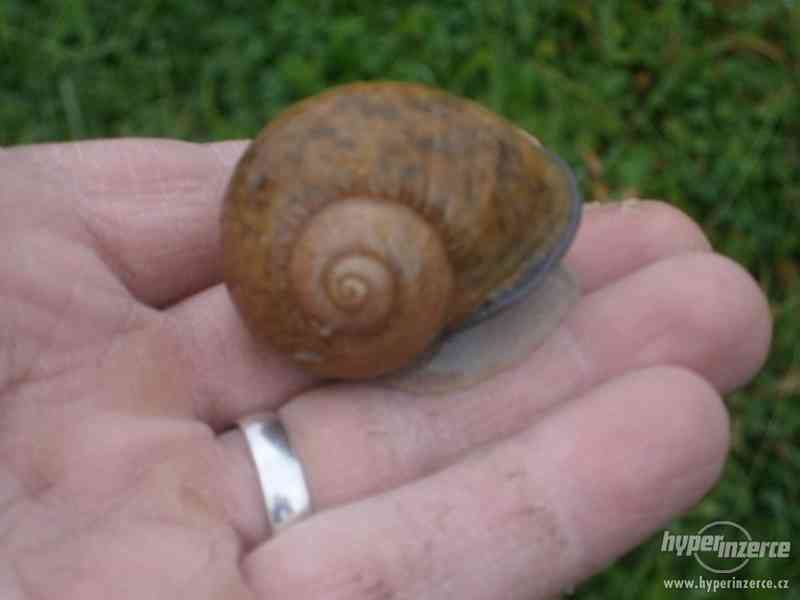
point(367, 222)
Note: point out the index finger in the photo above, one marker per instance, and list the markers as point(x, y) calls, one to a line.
point(149, 208)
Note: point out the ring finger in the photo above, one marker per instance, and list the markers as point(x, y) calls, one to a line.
point(524, 518)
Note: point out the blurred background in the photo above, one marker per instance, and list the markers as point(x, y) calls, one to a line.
point(695, 102)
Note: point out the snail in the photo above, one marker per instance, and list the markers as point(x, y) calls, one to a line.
point(369, 225)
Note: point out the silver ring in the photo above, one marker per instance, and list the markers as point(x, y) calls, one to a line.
point(280, 474)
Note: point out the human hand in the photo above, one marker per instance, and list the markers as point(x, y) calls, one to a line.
point(123, 367)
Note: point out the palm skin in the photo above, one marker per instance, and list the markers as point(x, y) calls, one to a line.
point(123, 367)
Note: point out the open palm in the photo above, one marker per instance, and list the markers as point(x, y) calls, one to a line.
point(123, 367)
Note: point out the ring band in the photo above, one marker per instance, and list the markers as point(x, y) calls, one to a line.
point(280, 474)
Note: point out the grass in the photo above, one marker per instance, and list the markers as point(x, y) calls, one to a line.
point(695, 102)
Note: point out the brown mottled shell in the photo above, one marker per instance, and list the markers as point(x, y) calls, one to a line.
point(365, 222)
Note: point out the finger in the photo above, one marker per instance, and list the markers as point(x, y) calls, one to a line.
point(148, 208)
point(527, 518)
point(634, 237)
point(620, 237)
point(228, 374)
point(698, 311)
point(195, 367)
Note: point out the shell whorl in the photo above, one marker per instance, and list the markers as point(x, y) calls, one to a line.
point(366, 221)
point(361, 270)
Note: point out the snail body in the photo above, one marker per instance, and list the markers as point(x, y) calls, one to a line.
point(364, 224)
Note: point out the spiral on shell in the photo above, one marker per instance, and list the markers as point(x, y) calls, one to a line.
point(366, 222)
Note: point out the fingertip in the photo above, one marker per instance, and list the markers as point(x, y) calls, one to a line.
point(699, 310)
point(227, 152)
point(719, 303)
point(748, 312)
point(617, 238)
point(652, 443)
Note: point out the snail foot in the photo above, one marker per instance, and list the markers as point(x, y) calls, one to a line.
point(466, 357)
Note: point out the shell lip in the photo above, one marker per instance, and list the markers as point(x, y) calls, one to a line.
point(536, 272)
